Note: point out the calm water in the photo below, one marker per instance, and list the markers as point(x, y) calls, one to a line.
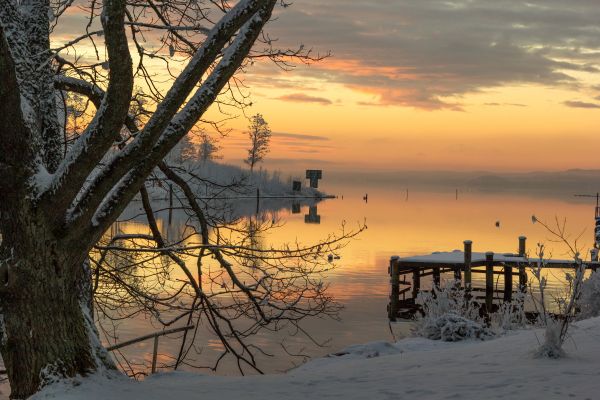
point(426, 221)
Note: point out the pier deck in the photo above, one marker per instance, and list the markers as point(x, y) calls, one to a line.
point(406, 274)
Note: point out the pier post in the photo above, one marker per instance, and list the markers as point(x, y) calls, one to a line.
point(522, 273)
point(457, 276)
point(416, 282)
point(522, 246)
point(170, 203)
point(436, 277)
point(257, 201)
point(489, 280)
point(154, 354)
point(395, 283)
point(468, 248)
point(508, 283)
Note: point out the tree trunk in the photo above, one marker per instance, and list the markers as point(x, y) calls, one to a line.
point(47, 330)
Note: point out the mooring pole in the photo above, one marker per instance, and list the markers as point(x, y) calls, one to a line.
point(155, 354)
point(489, 280)
point(468, 248)
point(395, 293)
point(508, 283)
point(416, 282)
point(170, 203)
point(522, 246)
point(257, 201)
point(522, 273)
point(436, 277)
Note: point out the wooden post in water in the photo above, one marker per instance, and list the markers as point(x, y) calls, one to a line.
point(257, 201)
point(155, 354)
point(416, 282)
point(522, 246)
point(508, 283)
point(170, 202)
point(468, 248)
point(457, 276)
point(489, 280)
point(522, 273)
point(436, 277)
point(395, 293)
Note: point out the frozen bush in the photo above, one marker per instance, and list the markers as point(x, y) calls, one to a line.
point(450, 315)
point(553, 340)
point(451, 327)
point(510, 315)
point(589, 301)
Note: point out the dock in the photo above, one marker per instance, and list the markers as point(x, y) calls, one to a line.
point(406, 275)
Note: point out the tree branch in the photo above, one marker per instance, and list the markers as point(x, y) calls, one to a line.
point(101, 133)
point(130, 166)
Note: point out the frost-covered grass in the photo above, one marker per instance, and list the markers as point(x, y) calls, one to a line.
point(415, 368)
point(590, 297)
point(451, 315)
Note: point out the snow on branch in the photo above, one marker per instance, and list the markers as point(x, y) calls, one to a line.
point(101, 133)
point(145, 142)
point(232, 59)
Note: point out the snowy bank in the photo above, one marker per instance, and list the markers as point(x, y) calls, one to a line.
point(414, 368)
point(241, 182)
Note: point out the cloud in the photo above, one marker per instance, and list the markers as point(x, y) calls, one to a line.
point(431, 53)
point(504, 104)
point(426, 54)
point(296, 161)
point(301, 136)
point(303, 98)
point(581, 104)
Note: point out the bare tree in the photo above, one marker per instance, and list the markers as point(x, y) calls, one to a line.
point(185, 150)
point(208, 148)
point(260, 137)
point(557, 324)
point(61, 193)
point(238, 289)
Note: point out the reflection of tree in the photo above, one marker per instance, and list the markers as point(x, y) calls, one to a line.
point(260, 136)
point(63, 189)
point(253, 239)
point(232, 281)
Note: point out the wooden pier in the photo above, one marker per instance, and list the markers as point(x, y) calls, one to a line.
point(407, 273)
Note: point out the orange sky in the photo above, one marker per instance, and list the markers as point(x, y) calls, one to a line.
point(544, 134)
point(436, 85)
point(428, 85)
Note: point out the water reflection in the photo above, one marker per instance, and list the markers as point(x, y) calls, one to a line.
point(312, 217)
point(296, 208)
point(424, 223)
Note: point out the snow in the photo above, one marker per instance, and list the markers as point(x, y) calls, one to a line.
point(271, 184)
point(414, 368)
point(457, 256)
point(42, 179)
point(590, 296)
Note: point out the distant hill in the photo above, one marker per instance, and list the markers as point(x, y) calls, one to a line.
point(573, 180)
point(570, 180)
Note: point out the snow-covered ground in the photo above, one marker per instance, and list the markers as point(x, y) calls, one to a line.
point(414, 368)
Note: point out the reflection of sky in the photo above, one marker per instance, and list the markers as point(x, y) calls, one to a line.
point(428, 221)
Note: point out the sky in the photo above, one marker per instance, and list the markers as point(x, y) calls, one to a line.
point(499, 85)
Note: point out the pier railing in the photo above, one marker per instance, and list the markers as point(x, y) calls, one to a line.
point(406, 275)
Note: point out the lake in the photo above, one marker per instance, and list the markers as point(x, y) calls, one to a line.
point(402, 223)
